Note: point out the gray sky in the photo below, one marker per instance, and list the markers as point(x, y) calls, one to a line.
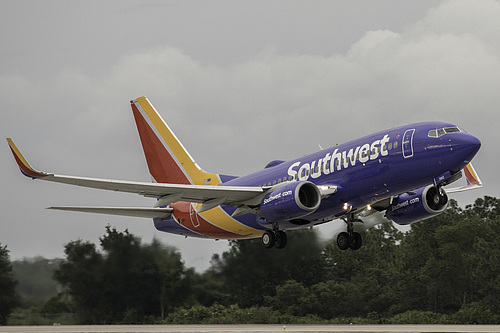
point(240, 83)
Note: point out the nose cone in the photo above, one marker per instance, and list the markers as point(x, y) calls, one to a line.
point(466, 146)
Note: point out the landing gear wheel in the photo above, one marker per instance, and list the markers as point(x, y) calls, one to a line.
point(281, 239)
point(355, 241)
point(343, 241)
point(268, 239)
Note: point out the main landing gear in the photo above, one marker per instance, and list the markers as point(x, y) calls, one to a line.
point(350, 239)
point(276, 238)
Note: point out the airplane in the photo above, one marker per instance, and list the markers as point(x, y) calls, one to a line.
point(401, 171)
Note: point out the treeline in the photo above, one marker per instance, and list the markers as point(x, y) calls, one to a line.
point(444, 270)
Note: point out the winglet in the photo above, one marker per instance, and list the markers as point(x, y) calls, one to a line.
point(25, 167)
point(472, 178)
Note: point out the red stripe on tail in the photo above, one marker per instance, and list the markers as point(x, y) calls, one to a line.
point(161, 165)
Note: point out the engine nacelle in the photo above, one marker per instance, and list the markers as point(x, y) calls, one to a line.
point(292, 200)
point(422, 204)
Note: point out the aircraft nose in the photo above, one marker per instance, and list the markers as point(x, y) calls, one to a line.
point(466, 145)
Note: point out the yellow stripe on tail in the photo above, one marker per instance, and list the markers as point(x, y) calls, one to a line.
point(168, 160)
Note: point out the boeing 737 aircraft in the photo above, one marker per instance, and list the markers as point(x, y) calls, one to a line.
point(401, 171)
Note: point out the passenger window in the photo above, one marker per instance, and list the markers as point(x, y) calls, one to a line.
point(279, 181)
point(274, 182)
point(395, 144)
point(284, 179)
point(390, 146)
point(290, 178)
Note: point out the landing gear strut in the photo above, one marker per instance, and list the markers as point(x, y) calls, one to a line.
point(350, 239)
point(276, 238)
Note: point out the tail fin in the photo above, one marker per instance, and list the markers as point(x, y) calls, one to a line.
point(168, 160)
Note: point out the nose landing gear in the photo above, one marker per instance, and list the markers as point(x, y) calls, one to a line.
point(350, 239)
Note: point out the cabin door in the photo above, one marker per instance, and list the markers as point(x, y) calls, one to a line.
point(408, 143)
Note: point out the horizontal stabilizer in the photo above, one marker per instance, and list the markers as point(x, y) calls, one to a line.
point(122, 211)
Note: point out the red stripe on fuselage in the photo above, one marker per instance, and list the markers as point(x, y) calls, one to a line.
point(186, 216)
point(161, 165)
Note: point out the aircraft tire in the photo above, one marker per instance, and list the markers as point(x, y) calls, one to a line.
point(281, 239)
point(268, 239)
point(356, 241)
point(343, 241)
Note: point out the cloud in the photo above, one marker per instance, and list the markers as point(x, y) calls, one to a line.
point(234, 117)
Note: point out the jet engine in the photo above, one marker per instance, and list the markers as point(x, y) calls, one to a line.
point(418, 205)
point(292, 200)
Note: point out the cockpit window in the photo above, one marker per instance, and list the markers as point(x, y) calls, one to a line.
point(452, 129)
point(442, 131)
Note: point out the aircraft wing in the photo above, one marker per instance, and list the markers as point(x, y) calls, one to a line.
point(209, 196)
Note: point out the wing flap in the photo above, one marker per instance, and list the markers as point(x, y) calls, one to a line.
point(122, 211)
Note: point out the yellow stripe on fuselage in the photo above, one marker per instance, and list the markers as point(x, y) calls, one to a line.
point(197, 176)
point(217, 216)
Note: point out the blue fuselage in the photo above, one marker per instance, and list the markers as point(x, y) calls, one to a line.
point(373, 167)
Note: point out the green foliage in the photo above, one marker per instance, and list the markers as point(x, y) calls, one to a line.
point(127, 283)
point(474, 313)
point(418, 318)
point(8, 297)
point(35, 279)
point(250, 272)
point(444, 270)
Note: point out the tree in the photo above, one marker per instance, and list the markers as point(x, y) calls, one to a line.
point(127, 283)
point(80, 273)
point(251, 272)
point(451, 260)
point(365, 276)
point(35, 278)
point(8, 297)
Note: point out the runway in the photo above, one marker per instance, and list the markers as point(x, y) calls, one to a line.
point(248, 328)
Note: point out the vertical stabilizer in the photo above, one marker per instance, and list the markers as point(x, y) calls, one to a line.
point(168, 161)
